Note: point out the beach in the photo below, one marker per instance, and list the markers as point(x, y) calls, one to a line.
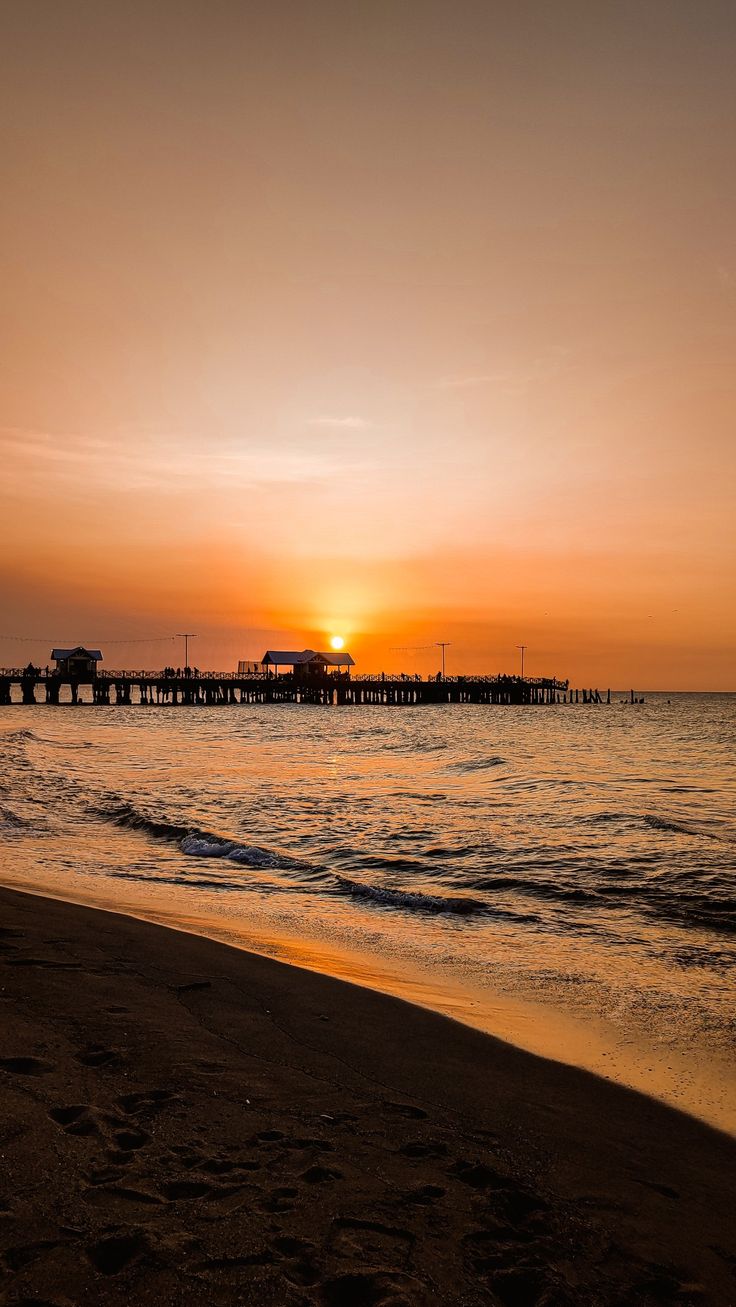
point(562, 880)
point(186, 1122)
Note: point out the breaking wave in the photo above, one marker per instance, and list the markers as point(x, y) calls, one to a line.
point(193, 842)
point(197, 845)
point(408, 899)
point(20, 736)
point(11, 821)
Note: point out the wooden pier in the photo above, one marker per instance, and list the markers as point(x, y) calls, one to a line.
point(147, 689)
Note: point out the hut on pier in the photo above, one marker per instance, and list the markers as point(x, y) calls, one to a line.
point(308, 662)
point(79, 662)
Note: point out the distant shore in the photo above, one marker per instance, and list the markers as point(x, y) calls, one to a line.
point(187, 1122)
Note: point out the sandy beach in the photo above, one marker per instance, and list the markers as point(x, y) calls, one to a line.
point(187, 1123)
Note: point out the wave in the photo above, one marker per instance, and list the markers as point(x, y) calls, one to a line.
point(124, 814)
point(20, 736)
point(12, 821)
point(387, 863)
point(198, 845)
point(712, 909)
point(653, 820)
point(193, 842)
point(449, 851)
point(665, 824)
point(26, 736)
point(409, 899)
point(183, 882)
point(477, 764)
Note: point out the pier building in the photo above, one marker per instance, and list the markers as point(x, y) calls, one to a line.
point(78, 662)
point(308, 662)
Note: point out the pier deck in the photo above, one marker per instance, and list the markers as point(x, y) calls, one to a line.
point(18, 685)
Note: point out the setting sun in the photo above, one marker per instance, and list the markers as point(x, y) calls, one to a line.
point(337, 641)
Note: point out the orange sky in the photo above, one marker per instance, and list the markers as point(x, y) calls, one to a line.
point(406, 320)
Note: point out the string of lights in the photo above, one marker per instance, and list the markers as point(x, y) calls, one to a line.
point(49, 639)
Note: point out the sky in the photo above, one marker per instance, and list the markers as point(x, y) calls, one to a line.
point(406, 321)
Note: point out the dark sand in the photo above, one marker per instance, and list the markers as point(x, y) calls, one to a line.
point(184, 1123)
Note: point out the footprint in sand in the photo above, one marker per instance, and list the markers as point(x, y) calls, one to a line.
point(424, 1148)
point(28, 1253)
point(111, 1255)
point(370, 1242)
point(479, 1176)
point(321, 1174)
point(193, 986)
point(74, 1119)
point(374, 1289)
point(409, 1110)
point(301, 1267)
point(147, 1100)
point(129, 1141)
point(83, 1120)
point(280, 1199)
point(175, 1191)
point(26, 1066)
point(97, 1056)
point(303, 1145)
point(425, 1196)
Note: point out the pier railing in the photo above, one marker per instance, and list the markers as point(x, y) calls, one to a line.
point(177, 687)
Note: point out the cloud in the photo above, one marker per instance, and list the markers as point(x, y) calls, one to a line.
point(83, 463)
point(514, 380)
point(340, 423)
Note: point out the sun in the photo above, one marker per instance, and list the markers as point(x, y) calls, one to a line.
point(337, 641)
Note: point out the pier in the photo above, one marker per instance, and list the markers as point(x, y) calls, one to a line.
point(201, 689)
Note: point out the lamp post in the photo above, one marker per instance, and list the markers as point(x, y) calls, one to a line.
point(186, 636)
point(522, 647)
point(443, 644)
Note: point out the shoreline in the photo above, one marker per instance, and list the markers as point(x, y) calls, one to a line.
point(579, 1041)
point(197, 1110)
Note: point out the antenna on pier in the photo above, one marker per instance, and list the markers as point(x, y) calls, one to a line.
point(522, 647)
point(186, 636)
point(443, 644)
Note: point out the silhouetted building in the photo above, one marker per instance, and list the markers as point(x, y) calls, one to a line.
point(77, 662)
point(308, 662)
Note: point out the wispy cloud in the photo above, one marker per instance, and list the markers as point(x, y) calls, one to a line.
point(340, 423)
point(166, 466)
point(514, 379)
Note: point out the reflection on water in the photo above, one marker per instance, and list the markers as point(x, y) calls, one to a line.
point(563, 877)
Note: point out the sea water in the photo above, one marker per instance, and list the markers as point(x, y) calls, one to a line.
point(561, 876)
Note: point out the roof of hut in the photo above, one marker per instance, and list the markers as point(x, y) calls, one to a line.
point(297, 658)
point(60, 655)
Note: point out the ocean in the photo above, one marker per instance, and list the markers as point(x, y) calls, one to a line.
point(562, 877)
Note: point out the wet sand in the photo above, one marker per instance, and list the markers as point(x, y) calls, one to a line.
point(185, 1123)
